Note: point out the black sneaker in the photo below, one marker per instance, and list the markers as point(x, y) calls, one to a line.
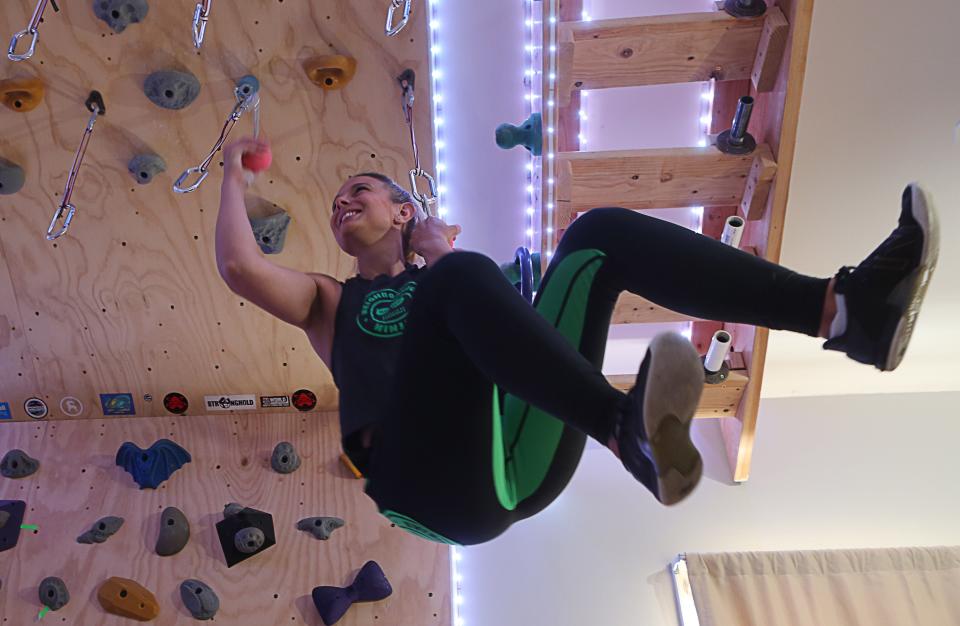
point(653, 434)
point(884, 293)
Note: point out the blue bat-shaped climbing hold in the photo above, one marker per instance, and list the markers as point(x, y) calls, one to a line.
point(151, 467)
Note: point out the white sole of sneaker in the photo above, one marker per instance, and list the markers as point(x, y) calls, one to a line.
point(926, 215)
point(672, 393)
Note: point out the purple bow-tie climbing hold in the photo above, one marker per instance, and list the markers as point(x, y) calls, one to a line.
point(370, 585)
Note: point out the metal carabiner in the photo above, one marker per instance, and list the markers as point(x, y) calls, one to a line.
point(426, 202)
point(390, 29)
point(200, 16)
point(32, 29)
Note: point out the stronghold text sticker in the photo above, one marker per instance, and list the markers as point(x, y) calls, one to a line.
point(230, 403)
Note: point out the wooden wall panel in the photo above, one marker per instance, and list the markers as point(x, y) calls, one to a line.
point(130, 299)
point(78, 483)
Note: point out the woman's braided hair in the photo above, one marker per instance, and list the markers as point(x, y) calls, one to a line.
point(399, 195)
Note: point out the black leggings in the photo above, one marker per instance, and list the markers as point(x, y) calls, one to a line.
point(469, 330)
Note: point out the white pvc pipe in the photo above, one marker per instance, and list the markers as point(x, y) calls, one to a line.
point(732, 231)
point(719, 347)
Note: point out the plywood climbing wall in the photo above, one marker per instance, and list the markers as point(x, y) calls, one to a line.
point(78, 483)
point(130, 301)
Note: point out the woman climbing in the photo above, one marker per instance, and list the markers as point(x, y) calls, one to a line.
point(450, 382)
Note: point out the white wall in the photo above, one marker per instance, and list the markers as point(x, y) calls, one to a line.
point(829, 472)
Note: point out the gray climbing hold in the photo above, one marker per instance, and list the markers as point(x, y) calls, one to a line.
point(271, 231)
point(18, 464)
point(174, 531)
point(102, 530)
point(118, 14)
point(199, 599)
point(285, 458)
point(11, 177)
point(320, 527)
point(4, 517)
point(232, 509)
point(171, 89)
point(144, 167)
point(53, 593)
point(248, 540)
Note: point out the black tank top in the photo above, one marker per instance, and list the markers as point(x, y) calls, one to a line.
point(370, 321)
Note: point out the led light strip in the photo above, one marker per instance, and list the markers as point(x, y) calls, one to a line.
point(456, 580)
point(436, 74)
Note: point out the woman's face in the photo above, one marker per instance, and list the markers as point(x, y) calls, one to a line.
point(362, 214)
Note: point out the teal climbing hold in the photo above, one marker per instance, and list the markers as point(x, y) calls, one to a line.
point(529, 134)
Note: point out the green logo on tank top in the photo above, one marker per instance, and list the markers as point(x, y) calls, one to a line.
point(384, 312)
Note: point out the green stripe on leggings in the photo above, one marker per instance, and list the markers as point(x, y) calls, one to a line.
point(564, 304)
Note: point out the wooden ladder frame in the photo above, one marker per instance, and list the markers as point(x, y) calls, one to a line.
point(763, 57)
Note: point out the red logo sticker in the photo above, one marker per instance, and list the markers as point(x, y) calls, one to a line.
point(304, 399)
point(175, 403)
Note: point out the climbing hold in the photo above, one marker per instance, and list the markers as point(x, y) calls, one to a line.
point(285, 459)
point(151, 467)
point(271, 231)
point(102, 530)
point(53, 593)
point(171, 89)
point(232, 509)
point(11, 177)
point(320, 527)
point(174, 531)
point(118, 14)
point(529, 134)
point(21, 94)
point(18, 464)
point(144, 167)
point(258, 160)
point(247, 85)
point(127, 598)
point(10, 532)
point(331, 72)
point(228, 529)
point(199, 599)
point(370, 585)
point(248, 540)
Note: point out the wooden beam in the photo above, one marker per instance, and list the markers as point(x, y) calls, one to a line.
point(680, 48)
point(757, 191)
point(652, 179)
point(632, 309)
point(717, 400)
point(773, 45)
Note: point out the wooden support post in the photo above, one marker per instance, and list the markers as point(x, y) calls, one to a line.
point(656, 50)
point(757, 191)
point(632, 309)
point(717, 400)
point(773, 44)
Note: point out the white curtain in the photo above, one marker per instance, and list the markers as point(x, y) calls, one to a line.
point(886, 587)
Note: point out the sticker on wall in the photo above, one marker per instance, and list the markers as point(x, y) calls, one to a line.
point(147, 397)
point(5, 413)
point(304, 399)
point(175, 403)
point(117, 404)
point(71, 406)
point(274, 402)
point(36, 408)
point(230, 403)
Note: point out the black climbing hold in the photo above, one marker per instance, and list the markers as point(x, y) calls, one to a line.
point(118, 14)
point(271, 231)
point(151, 467)
point(10, 532)
point(11, 177)
point(232, 509)
point(320, 527)
point(18, 464)
point(228, 528)
point(199, 599)
point(285, 459)
point(529, 134)
point(248, 540)
point(102, 529)
point(174, 531)
point(53, 593)
point(144, 167)
point(370, 585)
point(171, 89)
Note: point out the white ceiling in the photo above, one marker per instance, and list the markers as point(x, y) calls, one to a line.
point(881, 101)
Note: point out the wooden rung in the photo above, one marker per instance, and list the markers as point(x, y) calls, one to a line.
point(770, 51)
point(717, 400)
point(757, 192)
point(632, 309)
point(682, 48)
point(653, 179)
